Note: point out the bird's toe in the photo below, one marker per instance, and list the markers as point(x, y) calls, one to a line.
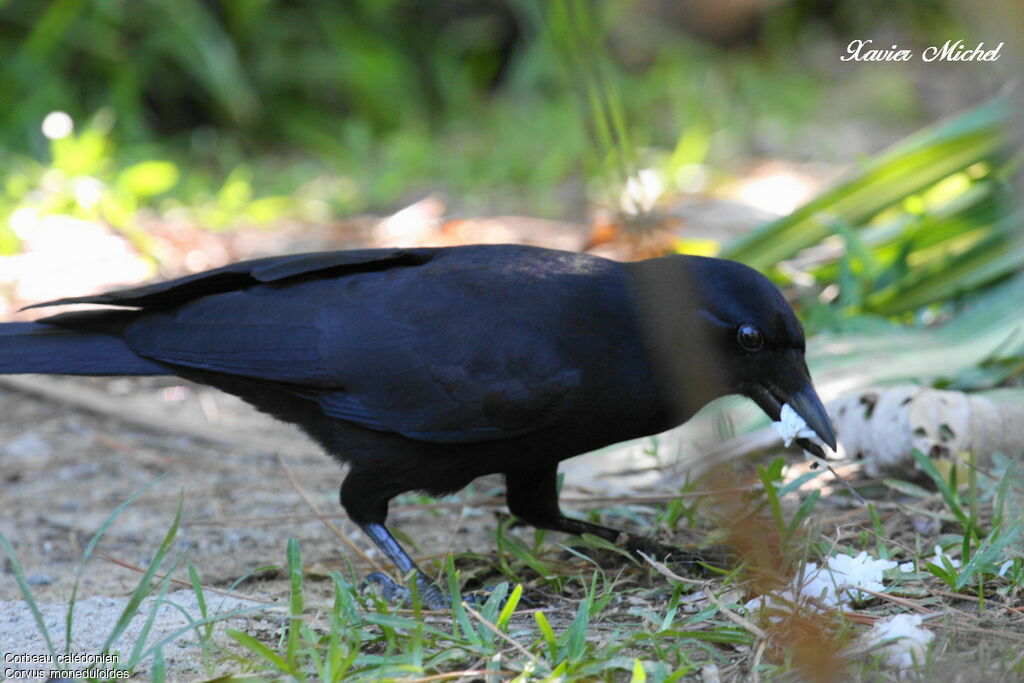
point(430, 596)
point(390, 589)
point(480, 597)
point(693, 559)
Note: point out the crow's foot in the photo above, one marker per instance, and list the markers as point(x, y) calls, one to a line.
point(695, 560)
point(430, 595)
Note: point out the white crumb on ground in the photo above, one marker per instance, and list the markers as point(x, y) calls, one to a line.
point(834, 585)
point(911, 642)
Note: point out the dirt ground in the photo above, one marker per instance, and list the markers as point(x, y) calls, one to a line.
point(65, 470)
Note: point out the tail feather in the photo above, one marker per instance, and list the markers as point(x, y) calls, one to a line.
point(44, 349)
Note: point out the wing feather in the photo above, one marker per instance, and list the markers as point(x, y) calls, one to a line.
point(373, 353)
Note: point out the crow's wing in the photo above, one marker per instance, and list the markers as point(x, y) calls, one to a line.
point(237, 276)
point(437, 355)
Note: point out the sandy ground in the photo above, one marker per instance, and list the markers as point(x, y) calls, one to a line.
point(66, 470)
point(95, 616)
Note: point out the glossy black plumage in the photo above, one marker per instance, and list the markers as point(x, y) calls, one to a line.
point(426, 368)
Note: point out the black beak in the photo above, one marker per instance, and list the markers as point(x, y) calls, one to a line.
point(807, 405)
point(793, 386)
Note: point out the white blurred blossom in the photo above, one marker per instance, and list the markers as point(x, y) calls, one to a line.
point(910, 644)
point(57, 125)
point(834, 585)
point(940, 554)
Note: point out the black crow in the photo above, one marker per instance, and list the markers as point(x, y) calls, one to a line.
point(426, 368)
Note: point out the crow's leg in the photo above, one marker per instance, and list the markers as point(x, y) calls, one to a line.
point(366, 502)
point(533, 497)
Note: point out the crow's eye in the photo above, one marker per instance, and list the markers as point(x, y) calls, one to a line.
point(749, 337)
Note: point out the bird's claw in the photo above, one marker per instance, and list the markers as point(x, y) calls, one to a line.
point(714, 556)
point(390, 589)
point(480, 597)
point(430, 596)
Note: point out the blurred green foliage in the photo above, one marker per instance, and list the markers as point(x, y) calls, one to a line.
point(84, 178)
point(478, 97)
point(387, 92)
point(252, 111)
point(928, 220)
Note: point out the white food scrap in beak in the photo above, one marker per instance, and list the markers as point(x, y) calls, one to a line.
point(791, 427)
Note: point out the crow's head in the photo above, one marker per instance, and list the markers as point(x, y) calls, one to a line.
point(759, 341)
point(720, 327)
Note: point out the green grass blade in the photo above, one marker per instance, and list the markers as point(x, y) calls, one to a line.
point(510, 607)
point(296, 604)
point(547, 634)
point(26, 594)
point(458, 611)
point(147, 627)
point(799, 481)
point(576, 636)
point(260, 650)
point(909, 167)
point(992, 259)
point(771, 494)
point(988, 553)
point(144, 586)
point(494, 601)
point(194, 624)
point(88, 553)
point(948, 494)
point(802, 513)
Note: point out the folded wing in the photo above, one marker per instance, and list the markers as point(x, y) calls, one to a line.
point(361, 335)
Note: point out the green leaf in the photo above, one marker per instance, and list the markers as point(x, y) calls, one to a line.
point(546, 633)
point(577, 634)
point(911, 166)
point(510, 607)
point(802, 512)
point(26, 594)
point(148, 178)
point(947, 492)
point(988, 553)
point(639, 675)
point(907, 488)
point(296, 603)
point(947, 575)
point(259, 649)
point(85, 154)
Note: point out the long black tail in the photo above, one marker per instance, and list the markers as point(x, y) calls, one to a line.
point(44, 349)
